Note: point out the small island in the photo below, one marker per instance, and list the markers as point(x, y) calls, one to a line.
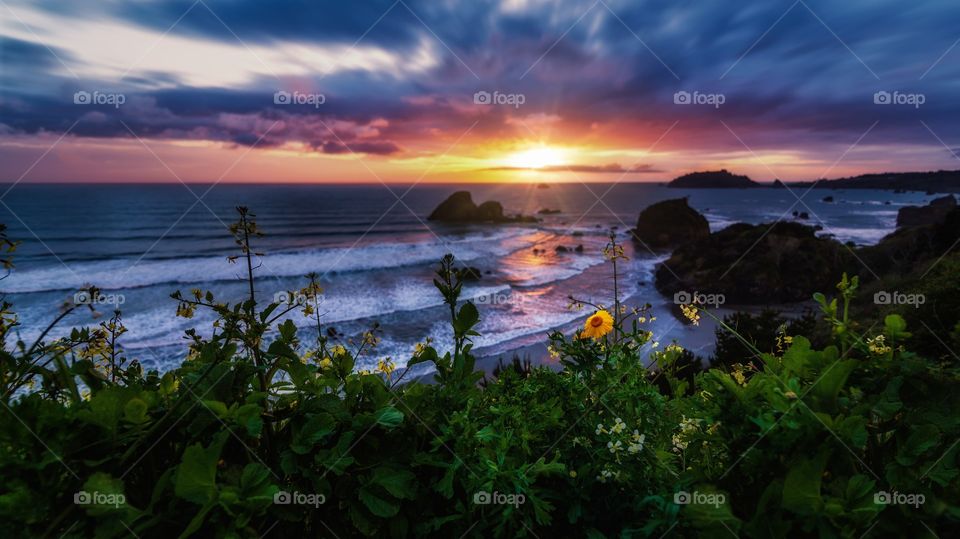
point(460, 208)
point(713, 179)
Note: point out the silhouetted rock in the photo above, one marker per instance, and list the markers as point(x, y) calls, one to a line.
point(828, 199)
point(756, 264)
point(561, 249)
point(670, 223)
point(930, 214)
point(460, 208)
point(714, 179)
point(548, 211)
point(579, 248)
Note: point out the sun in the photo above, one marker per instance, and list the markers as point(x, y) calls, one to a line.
point(535, 158)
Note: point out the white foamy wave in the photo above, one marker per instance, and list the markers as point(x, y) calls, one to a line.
point(130, 273)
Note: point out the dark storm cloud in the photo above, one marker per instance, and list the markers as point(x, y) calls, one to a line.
point(803, 73)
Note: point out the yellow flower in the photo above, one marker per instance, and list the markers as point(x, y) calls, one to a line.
point(691, 313)
point(598, 325)
point(386, 366)
point(326, 363)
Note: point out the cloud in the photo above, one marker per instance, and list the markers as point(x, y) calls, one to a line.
point(612, 168)
point(398, 78)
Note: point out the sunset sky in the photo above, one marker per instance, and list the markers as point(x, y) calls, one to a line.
point(201, 91)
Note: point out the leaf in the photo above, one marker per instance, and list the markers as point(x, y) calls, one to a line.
point(399, 483)
point(316, 428)
point(255, 482)
point(801, 487)
point(135, 411)
point(197, 473)
point(921, 440)
point(895, 326)
point(389, 417)
point(467, 318)
point(104, 494)
point(826, 390)
point(218, 408)
point(248, 416)
point(377, 505)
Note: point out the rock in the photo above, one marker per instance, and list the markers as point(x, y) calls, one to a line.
point(933, 213)
point(548, 211)
point(577, 234)
point(561, 249)
point(670, 223)
point(490, 211)
point(827, 199)
point(579, 248)
point(460, 208)
point(714, 179)
point(756, 264)
point(802, 215)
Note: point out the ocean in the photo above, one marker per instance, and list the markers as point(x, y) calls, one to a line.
point(376, 254)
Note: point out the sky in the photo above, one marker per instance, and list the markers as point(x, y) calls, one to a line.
point(471, 90)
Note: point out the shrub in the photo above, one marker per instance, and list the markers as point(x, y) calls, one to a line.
point(265, 430)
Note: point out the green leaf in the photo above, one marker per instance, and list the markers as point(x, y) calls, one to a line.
point(831, 383)
point(801, 487)
point(135, 411)
point(467, 318)
point(248, 416)
point(218, 408)
point(378, 505)
point(101, 494)
point(197, 473)
point(399, 483)
point(255, 482)
point(921, 440)
point(389, 417)
point(316, 428)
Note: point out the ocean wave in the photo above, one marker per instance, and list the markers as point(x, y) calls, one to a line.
point(131, 273)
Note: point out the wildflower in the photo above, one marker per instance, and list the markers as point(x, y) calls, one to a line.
point(339, 350)
point(326, 363)
point(637, 441)
point(878, 346)
point(615, 446)
point(673, 347)
point(554, 353)
point(618, 426)
point(386, 366)
point(691, 313)
point(600, 429)
point(573, 473)
point(598, 325)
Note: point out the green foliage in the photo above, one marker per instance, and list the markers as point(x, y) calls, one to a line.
point(263, 430)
